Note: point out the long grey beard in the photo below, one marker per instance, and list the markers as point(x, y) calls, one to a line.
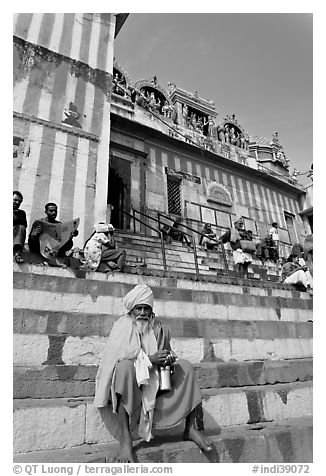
point(142, 326)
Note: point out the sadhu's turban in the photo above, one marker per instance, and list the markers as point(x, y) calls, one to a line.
point(140, 294)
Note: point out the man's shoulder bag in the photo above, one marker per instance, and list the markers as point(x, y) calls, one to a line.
point(248, 246)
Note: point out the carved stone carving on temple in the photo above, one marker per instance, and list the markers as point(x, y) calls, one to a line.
point(218, 193)
point(154, 97)
point(121, 81)
point(278, 150)
point(294, 176)
point(230, 131)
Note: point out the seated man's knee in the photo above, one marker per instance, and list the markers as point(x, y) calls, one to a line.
point(186, 366)
point(125, 366)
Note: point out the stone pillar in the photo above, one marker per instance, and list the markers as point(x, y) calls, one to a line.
point(103, 158)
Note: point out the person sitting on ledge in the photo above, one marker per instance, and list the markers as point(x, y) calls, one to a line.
point(101, 248)
point(20, 225)
point(128, 379)
point(174, 233)
point(51, 212)
point(293, 273)
point(209, 241)
point(240, 241)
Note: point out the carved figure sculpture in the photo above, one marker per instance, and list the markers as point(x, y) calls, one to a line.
point(226, 133)
point(220, 133)
point(166, 109)
point(232, 136)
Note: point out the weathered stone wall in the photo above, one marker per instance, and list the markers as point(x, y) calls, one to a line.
point(62, 92)
point(240, 191)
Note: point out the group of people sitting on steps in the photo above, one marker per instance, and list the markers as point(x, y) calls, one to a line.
point(99, 252)
point(294, 270)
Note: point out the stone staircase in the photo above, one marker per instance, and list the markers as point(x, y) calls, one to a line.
point(250, 342)
point(146, 251)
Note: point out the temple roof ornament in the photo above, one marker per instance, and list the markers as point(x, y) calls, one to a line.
point(192, 100)
point(122, 72)
point(271, 146)
point(233, 121)
point(151, 84)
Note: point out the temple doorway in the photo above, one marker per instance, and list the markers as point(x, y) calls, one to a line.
point(119, 192)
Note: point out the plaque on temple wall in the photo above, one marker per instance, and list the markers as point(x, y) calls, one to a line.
point(217, 193)
point(208, 215)
point(193, 211)
point(223, 219)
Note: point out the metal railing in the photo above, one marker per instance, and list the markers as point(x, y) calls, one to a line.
point(190, 236)
point(151, 228)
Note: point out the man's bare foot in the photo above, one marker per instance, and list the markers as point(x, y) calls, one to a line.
point(196, 436)
point(61, 264)
point(124, 454)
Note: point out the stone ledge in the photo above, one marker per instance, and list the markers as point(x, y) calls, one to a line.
point(73, 381)
point(287, 442)
point(82, 324)
point(70, 285)
point(33, 263)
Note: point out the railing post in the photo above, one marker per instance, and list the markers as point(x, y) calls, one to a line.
point(133, 213)
point(195, 256)
point(226, 266)
point(163, 251)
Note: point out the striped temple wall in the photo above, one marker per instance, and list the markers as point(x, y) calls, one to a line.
point(63, 66)
point(256, 198)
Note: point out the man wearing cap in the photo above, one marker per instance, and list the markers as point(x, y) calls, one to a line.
point(234, 236)
point(101, 248)
point(128, 382)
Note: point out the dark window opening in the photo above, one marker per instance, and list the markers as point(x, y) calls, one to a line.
point(290, 227)
point(174, 200)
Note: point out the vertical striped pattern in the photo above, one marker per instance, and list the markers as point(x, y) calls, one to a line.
point(57, 171)
point(234, 189)
point(247, 190)
point(66, 33)
point(177, 164)
point(56, 32)
point(34, 28)
point(152, 156)
point(257, 194)
point(94, 43)
point(61, 166)
point(77, 36)
point(244, 199)
point(279, 213)
point(79, 205)
point(27, 178)
point(46, 29)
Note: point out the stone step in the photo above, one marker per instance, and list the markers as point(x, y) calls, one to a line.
point(271, 442)
point(59, 423)
point(146, 246)
point(38, 349)
point(65, 293)
point(33, 266)
point(73, 381)
point(57, 337)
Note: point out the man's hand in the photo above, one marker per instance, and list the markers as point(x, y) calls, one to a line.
point(160, 358)
point(38, 230)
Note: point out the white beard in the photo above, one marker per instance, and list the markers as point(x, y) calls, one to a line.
point(142, 326)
